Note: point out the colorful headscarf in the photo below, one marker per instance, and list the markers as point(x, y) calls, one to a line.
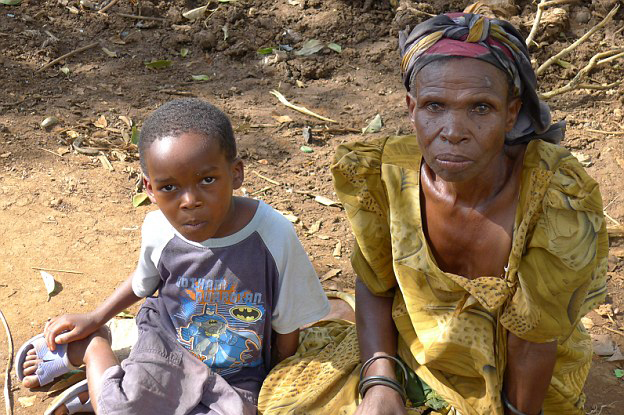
point(491, 40)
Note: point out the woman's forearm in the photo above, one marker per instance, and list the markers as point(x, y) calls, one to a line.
point(528, 373)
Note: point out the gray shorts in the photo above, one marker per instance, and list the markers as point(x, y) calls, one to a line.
point(161, 377)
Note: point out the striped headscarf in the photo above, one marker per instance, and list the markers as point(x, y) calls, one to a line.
point(491, 40)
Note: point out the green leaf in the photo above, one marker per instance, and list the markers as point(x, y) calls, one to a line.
point(10, 2)
point(619, 373)
point(139, 199)
point(310, 47)
point(306, 149)
point(265, 51)
point(159, 64)
point(374, 126)
point(184, 52)
point(200, 77)
point(563, 64)
point(65, 70)
point(335, 47)
point(134, 138)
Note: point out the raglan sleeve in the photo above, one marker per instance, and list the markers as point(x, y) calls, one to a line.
point(145, 278)
point(357, 180)
point(300, 298)
point(562, 273)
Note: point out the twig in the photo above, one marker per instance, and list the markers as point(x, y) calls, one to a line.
point(302, 110)
point(266, 178)
point(108, 6)
point(67, 55)
point(264, 189)
point(51, 152)
point(7, 375)
point(538, 17)
point(57, 270)
point(136, 17)
point(610, 218)
point(615, 231)
point(613, 330)
point(580, 40)
point(596, 60)
point(605, 132)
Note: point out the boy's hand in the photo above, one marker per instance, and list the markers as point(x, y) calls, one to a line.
point(68, 328)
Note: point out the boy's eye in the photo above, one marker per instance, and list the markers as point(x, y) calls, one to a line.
point(208, 180)
point(167, 188)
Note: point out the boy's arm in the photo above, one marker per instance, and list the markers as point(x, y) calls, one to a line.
point(284, 347)
point(71, 327)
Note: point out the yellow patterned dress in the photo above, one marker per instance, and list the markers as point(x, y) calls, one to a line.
point(453, 330)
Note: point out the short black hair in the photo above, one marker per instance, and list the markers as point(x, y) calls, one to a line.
point(187, 115)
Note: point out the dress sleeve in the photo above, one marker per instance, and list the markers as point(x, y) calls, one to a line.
point(562, 274)
point(359, 186)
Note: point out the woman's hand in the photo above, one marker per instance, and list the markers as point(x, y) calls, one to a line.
point(381, 400)
point(69, 328)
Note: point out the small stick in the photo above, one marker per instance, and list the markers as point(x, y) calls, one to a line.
point(538, 17)
point(302, 110)
point(108, 6)
point(264, 189)
point(266, 178)
point(7, 376)
point(605, 132)
point(57, 270)
point(609, 217)
point(580, 40)
point(136, 17)
point(67, 55)
point(613, 330)
point(51, 152)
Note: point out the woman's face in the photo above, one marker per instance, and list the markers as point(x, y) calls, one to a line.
point(461, 112)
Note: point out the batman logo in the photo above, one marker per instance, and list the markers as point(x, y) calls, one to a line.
point(246, 313)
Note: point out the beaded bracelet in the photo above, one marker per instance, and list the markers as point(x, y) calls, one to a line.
point(512, 408)
point(370, 381)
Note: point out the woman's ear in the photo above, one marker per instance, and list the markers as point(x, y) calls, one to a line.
point(411, 105)
point(513, 109)
point(147, 185)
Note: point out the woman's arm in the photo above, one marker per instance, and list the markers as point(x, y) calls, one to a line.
point(377, 335)
point(528, 373)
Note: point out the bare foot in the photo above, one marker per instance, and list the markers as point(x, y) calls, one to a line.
point(62, 410)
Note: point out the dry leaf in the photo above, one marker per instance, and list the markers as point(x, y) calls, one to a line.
point(48, 281)
point(338, 250)
point(605, 310)
point(325, 201)
point(126, 120)
point(282, 118)
point(588, 323)
point(292, 218)
point(299, 83)
point(315, 227)
point(66, 383)
point(330, 274)
point(27, 401)
point(101, 122)
point(323, 237)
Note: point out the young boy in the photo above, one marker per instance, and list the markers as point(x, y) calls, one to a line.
point(231, 277)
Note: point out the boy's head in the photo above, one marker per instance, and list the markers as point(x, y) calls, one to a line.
point(188, 157)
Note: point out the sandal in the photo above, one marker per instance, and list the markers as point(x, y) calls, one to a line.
point(53, 363)
point(70, 399)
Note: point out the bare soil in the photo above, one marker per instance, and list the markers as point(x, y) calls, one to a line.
point(66, 210)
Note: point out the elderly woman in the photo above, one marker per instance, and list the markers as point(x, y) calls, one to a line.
point(480, 243)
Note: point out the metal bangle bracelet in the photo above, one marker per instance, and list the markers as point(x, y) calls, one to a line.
point(512, 408)
point(370, 361)
point(368, 382)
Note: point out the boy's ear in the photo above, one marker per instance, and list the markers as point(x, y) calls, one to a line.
point(238, 173)
point(147, 185)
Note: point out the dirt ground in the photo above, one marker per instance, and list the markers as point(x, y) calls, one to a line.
point(66, 190)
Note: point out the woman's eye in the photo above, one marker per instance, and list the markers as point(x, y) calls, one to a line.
point(434, 106)
point(482, 109)
point(208, 180)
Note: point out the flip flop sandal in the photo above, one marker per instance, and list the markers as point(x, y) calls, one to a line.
point(53, 363)
point(70, 399)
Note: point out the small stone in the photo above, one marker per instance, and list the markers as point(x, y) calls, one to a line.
point(56, 202)
point(206, 40)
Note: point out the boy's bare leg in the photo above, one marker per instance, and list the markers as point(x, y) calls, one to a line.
point(94, 351)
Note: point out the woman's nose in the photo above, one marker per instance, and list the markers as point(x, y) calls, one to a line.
point(455, 128)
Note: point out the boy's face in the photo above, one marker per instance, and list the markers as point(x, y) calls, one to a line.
point(191, 181)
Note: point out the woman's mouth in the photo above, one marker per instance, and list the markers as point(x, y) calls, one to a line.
point(452, 161)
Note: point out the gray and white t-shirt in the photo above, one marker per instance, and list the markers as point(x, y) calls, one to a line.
point(222, 297)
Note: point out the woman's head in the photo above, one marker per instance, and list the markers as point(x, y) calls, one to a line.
point(475, 37)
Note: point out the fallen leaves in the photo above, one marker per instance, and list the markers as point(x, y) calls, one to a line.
point(50, 284)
